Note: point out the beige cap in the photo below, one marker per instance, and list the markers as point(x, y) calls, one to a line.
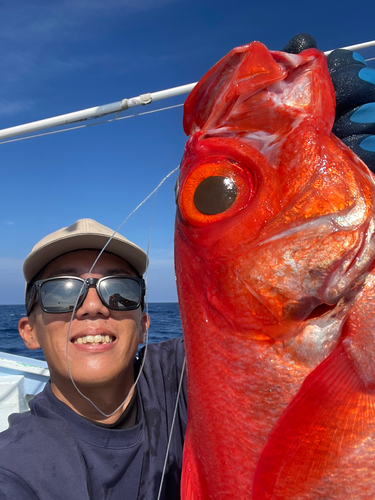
point(83, 234)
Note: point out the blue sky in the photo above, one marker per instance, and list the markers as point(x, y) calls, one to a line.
point(63, 56)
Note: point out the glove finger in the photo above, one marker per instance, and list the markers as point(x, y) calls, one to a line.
point(354, 85)
point(360, 120)
point(353, 81)
point(364, 147)
point(299, 43)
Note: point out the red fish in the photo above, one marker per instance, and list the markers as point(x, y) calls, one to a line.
point(275, 272)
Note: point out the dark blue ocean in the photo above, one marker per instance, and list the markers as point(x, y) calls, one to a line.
point(165, 324)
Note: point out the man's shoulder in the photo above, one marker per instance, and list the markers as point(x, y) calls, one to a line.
point(162, 389)
point(33, 444)
point(162, 366)
point(28, 436)
point(20, 423)
point(166, 348)
point(30, 432)
point(165, 356)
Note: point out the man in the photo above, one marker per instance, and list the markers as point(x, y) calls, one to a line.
point(92, 434)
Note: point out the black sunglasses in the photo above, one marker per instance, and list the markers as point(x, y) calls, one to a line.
point(59, 295)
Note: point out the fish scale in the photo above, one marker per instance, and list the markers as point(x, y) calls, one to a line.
point(275, 286)
point(258, 401)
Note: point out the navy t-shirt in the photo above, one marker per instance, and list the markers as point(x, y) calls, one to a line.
point(52, 453)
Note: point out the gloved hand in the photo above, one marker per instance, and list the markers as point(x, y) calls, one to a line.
point(354, 85)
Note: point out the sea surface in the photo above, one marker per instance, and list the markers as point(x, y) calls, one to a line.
point(165, 324)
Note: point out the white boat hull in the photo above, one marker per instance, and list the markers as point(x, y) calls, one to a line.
point(21, 378)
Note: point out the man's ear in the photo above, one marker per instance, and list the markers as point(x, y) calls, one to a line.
point(144, 326)
point(26, 328)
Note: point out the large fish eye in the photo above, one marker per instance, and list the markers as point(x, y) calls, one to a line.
point(213, 190)
point(215, 195)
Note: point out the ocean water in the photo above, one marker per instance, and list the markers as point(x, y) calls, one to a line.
point(165, 324)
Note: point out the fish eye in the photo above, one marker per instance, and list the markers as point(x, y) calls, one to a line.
point(214, 190)
point(215, 195)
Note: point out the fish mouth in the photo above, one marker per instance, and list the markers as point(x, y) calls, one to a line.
point(296, 312)
point(320, 311)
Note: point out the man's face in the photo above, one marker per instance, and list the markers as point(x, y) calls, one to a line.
point(90, 365)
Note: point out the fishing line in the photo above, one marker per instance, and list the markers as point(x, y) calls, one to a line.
point(118, 118)
point(146, 281)
point(172, 427)
point(75, 305)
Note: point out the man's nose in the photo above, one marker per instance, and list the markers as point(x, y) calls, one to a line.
point(92, 305)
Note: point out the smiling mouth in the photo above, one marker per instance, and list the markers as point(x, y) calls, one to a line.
point(94, 339)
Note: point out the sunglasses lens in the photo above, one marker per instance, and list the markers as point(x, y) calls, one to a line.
point(59, 296)
point(120, 294)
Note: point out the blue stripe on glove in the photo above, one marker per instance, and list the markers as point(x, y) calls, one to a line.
point(354, 85)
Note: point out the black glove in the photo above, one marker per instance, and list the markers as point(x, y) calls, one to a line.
point(299, 43)
point(354, 85)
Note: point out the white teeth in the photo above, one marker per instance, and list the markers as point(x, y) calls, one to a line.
point(94, 339)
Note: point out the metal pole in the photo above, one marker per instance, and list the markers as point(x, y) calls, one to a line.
point(94, 112)
point(115, 107)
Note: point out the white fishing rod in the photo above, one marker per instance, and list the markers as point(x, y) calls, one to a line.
point(95, 112)
point(358, 46)
point(117, 107)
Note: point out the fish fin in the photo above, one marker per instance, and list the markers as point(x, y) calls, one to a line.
point(332, 412)
point(359, 332)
